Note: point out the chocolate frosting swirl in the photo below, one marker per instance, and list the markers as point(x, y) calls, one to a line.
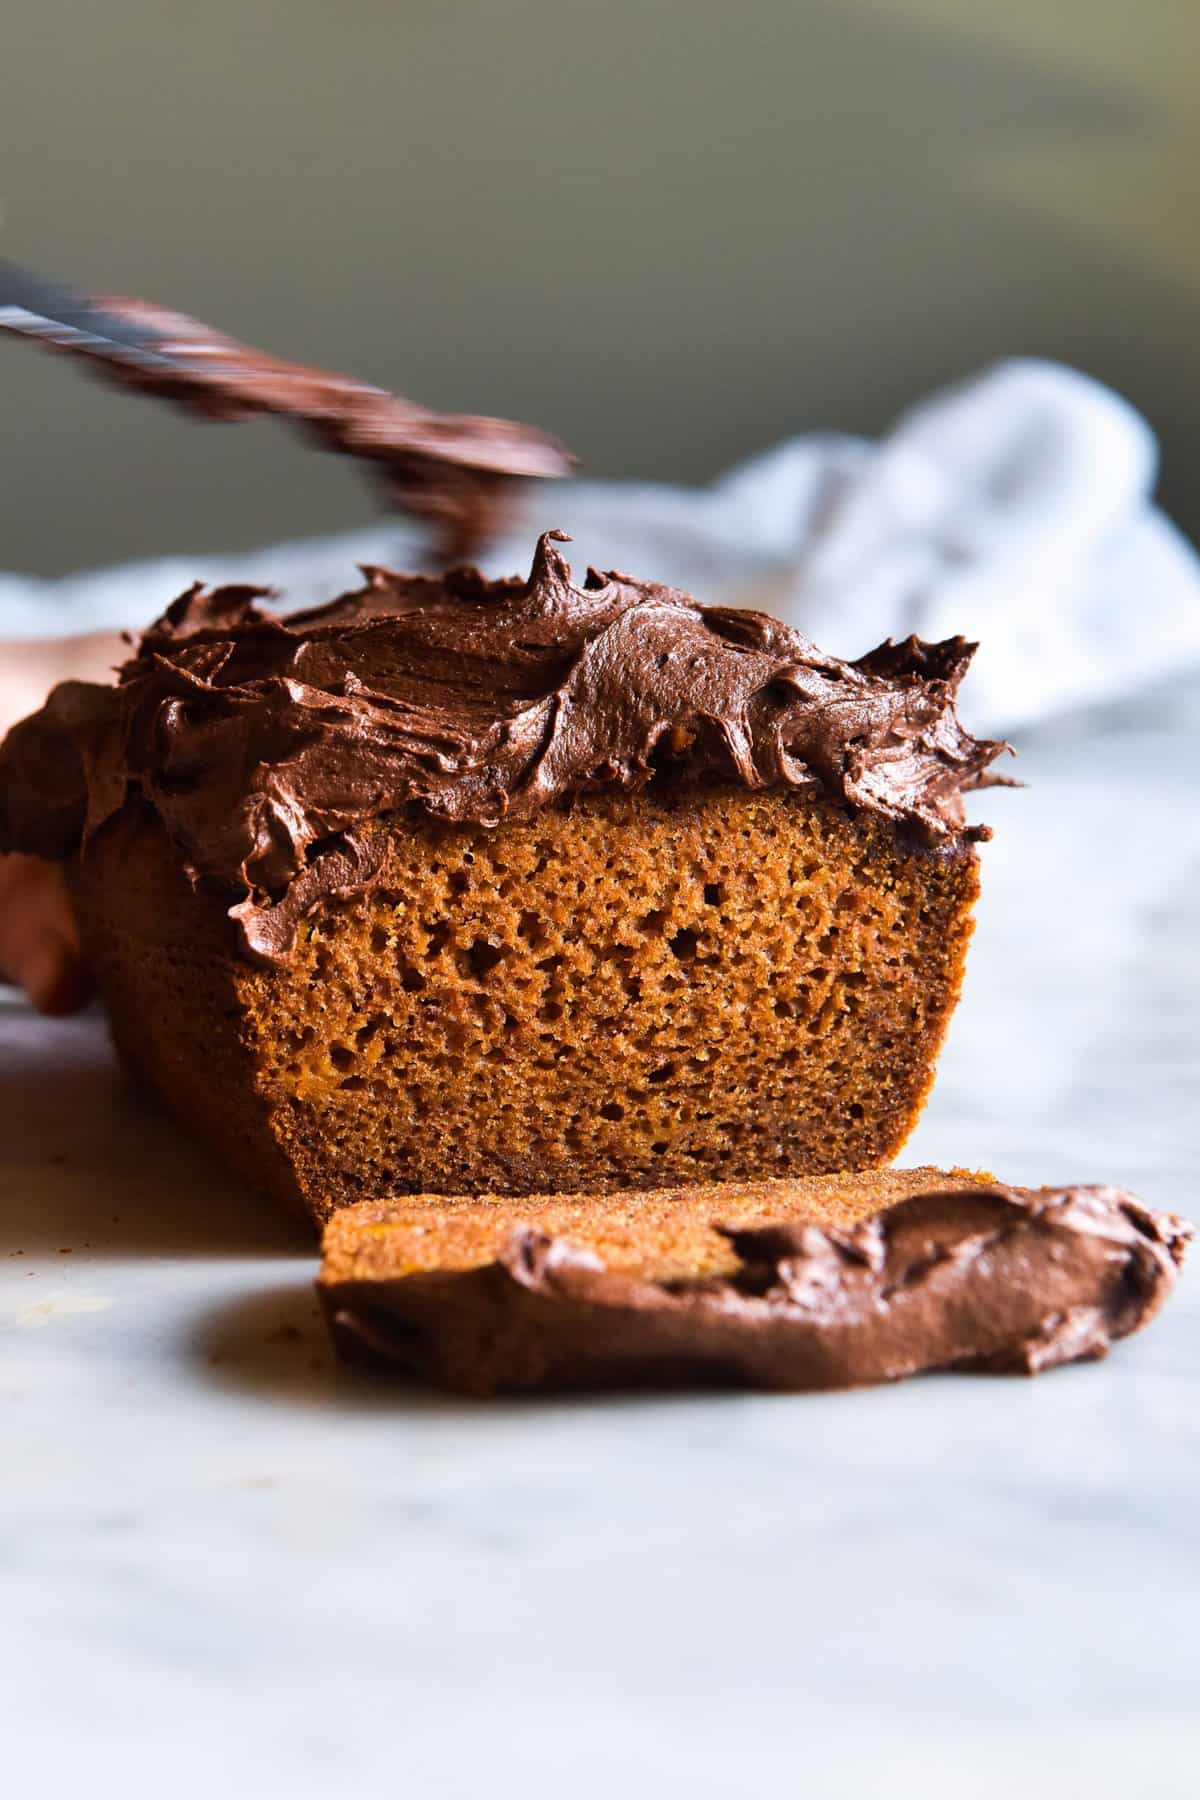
point(270, 747)
point(981, 1279)
point(458, 471)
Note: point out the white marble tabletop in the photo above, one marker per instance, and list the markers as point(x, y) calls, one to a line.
point(227, 1566)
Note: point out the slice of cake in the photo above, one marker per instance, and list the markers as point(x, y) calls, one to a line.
point(462, 885)
point(829, 1282)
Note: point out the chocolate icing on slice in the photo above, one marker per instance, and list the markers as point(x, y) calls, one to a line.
point(978, 1279)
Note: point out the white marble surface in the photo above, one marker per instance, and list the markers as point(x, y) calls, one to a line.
point(228, 1567)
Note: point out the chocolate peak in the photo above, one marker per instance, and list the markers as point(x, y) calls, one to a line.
point(270, 746)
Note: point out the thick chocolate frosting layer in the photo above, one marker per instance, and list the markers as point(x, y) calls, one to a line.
point(270, 747)
point(980, 1279)
point(455, 470)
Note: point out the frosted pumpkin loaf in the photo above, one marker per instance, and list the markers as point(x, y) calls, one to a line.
point(516, 885)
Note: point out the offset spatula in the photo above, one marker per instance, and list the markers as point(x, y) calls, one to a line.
point(455, 470)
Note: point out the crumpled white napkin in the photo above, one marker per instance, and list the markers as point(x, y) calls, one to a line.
point(1015, 509)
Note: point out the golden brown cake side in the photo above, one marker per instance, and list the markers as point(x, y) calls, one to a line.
point(808, 1284)
point(639, 991)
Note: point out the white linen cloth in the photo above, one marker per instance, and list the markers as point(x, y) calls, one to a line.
point(1015, 509)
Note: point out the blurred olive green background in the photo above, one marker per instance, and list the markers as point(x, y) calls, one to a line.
point(672, 230)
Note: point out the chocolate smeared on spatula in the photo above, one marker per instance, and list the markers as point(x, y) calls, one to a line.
point(457, 471)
